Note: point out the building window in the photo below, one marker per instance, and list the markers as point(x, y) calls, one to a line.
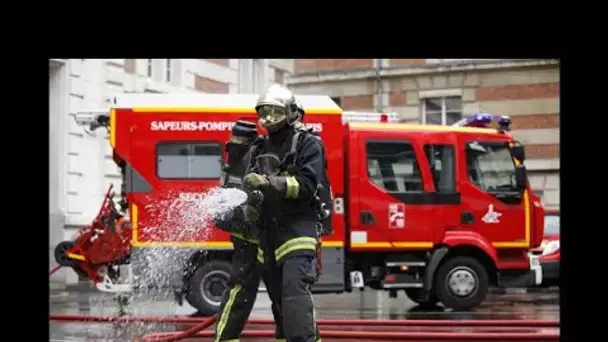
point(259, 75)
point(188, 160)
point(441, 110)
point(168, 70)
point(149, 72)
point(393, 166)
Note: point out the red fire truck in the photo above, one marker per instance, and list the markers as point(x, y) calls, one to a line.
point(441, 212)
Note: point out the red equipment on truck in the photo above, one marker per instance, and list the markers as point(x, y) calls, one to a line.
point(441, 212)
point(97, 250)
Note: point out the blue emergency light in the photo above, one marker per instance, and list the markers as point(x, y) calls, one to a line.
point(504, 123)
point(482, 120)
point(476, 120)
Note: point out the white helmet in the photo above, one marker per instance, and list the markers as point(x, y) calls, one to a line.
point(276, 107)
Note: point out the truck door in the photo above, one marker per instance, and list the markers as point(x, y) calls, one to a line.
point(492, 204)
point(394, 204)
point(440, 153)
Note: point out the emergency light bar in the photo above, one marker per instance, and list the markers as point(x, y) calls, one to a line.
point(482, 120)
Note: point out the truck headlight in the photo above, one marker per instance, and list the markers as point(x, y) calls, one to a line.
point(551, 247)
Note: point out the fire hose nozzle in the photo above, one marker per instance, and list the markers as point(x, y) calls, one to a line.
point(255, 197)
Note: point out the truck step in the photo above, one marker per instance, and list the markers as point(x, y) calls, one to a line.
point(405, 263)
point(401, 281)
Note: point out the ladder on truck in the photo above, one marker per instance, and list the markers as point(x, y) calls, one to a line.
point(369, 117)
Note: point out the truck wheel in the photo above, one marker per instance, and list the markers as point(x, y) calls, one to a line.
point(206, 287)
point(62, 259)
point(461, 283)
point(415, 295)
point(60, 253)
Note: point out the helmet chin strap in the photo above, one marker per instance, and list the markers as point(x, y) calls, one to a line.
point(297, 119)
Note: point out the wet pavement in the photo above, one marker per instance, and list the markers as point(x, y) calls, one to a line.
point(357, 305)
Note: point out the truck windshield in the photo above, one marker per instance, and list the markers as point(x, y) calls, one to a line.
point(491, 167)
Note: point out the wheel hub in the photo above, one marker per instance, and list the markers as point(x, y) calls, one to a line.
point(214, 285)
point(462, 281)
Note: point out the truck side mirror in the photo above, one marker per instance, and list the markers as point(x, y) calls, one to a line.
point(518, 151)
point(521, 177)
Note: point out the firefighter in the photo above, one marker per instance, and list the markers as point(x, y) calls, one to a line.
point(245, 280)
point(287, 166)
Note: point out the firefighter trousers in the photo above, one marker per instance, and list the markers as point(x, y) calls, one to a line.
point(296, 274)
point(239, 300)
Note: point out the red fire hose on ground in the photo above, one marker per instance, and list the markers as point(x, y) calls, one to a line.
point(501, 329)
point(502, 334)
point(54, 269)
point(391, 336)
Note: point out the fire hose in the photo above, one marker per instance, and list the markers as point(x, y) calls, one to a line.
point(203, 323)
point(54, 269)
point(392, 336)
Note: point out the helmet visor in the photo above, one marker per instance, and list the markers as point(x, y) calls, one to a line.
point(272, 116)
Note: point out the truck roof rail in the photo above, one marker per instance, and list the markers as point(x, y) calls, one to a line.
point(353, 116)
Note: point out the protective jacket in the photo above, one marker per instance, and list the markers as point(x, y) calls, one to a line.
point(293, 161)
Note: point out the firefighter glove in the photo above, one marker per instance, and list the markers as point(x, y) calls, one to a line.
point(250, 213)
point(256, 181)
point(246, 213)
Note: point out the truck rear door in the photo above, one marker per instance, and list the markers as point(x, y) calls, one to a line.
point(395, 206)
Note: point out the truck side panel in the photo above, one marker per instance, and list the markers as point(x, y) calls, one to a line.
point(180, 164)
point(332, 278)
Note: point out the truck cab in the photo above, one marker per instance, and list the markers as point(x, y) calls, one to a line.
point(422, 195)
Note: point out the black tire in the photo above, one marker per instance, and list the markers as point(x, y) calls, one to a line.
point(60, 253)
point(207, 286)
point(549, 283)
point(471, 273)
point(62, 259)
point(415, 295)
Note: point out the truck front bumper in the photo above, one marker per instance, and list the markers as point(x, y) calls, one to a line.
point(526, 279)
point(550, 272)
point(530, 278)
